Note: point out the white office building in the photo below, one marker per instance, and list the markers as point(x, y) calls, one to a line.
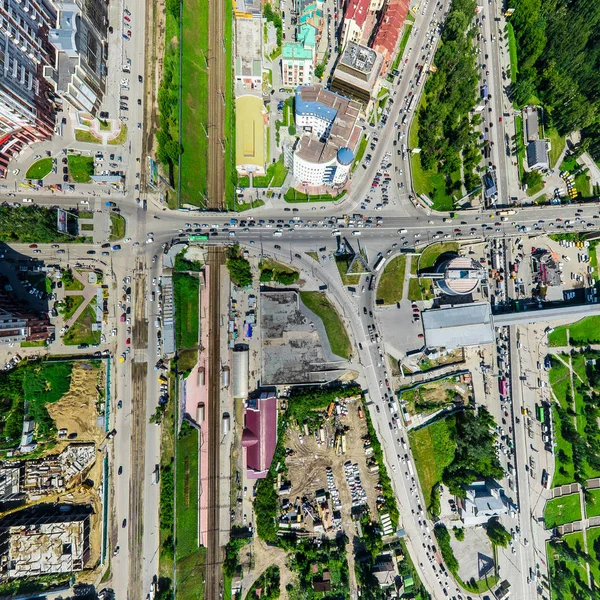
point(330, 134)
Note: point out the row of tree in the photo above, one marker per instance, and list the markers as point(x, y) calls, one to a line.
point(445, 131)
point(558, 44)
point(475, 457)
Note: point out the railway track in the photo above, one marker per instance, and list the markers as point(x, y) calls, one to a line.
point(139, 374)
point(216, 106)
point(213, 589)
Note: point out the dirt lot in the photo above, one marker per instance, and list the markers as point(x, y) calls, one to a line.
point(432, 396)
point(76, 412)
point(306, 469)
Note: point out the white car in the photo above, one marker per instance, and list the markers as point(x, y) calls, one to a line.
point(16, 172)
point(83, 202)
point(127, 240)
point(27, 200)
point(149, 240)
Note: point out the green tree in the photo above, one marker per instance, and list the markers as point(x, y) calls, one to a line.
point(497, 533)
point(533, 178)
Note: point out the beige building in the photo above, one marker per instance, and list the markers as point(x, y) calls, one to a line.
point(250, 135)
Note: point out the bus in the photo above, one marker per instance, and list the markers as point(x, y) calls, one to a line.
point(506, 213)
point(540, 412)
point(198, 238)
point(379, 264)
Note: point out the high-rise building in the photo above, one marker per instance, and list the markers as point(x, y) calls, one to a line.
point(18, 325)
point(80, 39)
point(27, 101)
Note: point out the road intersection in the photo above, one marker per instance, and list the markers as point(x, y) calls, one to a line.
point(287, 232)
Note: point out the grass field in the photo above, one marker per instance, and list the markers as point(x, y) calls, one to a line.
point(559, 511)
point(558, 337)
point(336, 332)
point(194, 76)
point(39, 169)
point(389, 290)
point(420, 289)
point(512, 49)
point(72, 303)
point(582, 183)
point(557, 145)
point(186, 288)
point(230, 164)
point(121, 138)
point(81, 168)
point(276, 174)
point(521, 153)
point(432, 253)
point(593, 543)
point(592, 509)
point(117, 227)
point(81, 331)
point(536, 189)
point(569, 163)
point(433, 450)
point(581, 333)
point(431, 183)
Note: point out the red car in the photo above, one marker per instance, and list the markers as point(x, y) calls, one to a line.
point(128, 341)
point(421, 335)
point(123, 317)
point(500, 120)
point(33, 245)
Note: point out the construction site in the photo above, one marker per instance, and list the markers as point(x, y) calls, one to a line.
point(332, 476)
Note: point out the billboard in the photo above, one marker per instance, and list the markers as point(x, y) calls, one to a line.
point(61, 220)
point(152, 173)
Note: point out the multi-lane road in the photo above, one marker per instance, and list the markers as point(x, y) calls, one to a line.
point(303, 227)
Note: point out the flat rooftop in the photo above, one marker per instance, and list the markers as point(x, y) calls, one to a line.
point(250, 131)
point(248, 45)
point(293, 351)
point(459, 326)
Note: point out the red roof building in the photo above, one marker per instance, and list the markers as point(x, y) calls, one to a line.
point(259, 437)
point(355, 17)
point(388, 33)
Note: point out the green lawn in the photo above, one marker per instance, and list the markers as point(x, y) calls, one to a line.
point(420, 289)
point(536, 189)
point(72, 303)
point(559, 511)
point(582, 183)
point(81, 168)
point(389, 290)
point(294, 196)
point(431, 183)
point(81, 135)
point(569, 164)
point(403, 42)
point(557, 143)
point(593, 543)
point(194, 75)
point(430, 255)
point(512, 49)
point(117, 227)
point(190, 557)
point(39, 169)
point(276, 173)
point(230, 164)
point(121, 138)
point(243, 182)
point(521, 153)
point(186, 289)
point(558, 337)
point(342, 264)
point(336, 332)
point(360, 152)
point(582, 333)
point(81, 331)
point(592, 509)
point(186, 492)
point(433, 450)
